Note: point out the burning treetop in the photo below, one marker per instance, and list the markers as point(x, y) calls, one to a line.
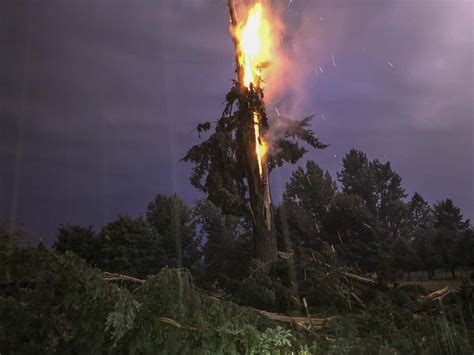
point(232, 166)
point(254, 41)
point(254, 45)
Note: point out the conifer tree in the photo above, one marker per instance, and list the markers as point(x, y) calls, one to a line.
point(176, 227)
point(228, 167)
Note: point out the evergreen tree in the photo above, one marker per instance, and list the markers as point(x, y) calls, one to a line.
point(421, 214)
point(304, 209)
point(463, 250)
point(357, 177)
point(227, 243)
point(312, 190)
point(411, 251)
point(378, 186)
point(354, 230)
point(389, 197)
point(81, 241)
point(173, 220)
point(449, 229)
point(448, 216)
point(224, 164)
point(381, 196)
point(131, 246)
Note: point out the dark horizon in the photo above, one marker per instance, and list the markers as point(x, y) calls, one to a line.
point(99, 99)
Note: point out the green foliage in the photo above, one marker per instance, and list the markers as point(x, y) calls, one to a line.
point(378, 186)
point(448, 216)
point(357, 177)
point(262, 288)
point(420, 215)
point(67, 307)
point(176, 227)
point(227, 249)
point(356, 232)
point(219, 169)
point(55, 302)
point(274, 341)
point(313, 190)
point(286, 136)
point(389, 325)
point(81, 241)
point(131, 246)
point(443, 239)
point(137, 246)
point(369, 223)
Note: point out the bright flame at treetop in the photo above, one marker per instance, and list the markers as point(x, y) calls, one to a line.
point(255, 44)
point(254, 53)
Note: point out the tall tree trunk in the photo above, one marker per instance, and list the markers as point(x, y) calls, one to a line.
point(261, 208)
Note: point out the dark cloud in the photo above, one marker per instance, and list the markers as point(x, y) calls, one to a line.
point(99, 98)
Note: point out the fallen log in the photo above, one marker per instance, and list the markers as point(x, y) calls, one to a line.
point(317, 323)
point(110, 276)
point(360, 279)
point(438, 295)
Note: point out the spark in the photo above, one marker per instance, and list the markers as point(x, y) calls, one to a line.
point(333, 60)
point(390, 63)
point(289, 3)
point(323, 117)
point(321, 70)
point(321, 18)
point(278, 112)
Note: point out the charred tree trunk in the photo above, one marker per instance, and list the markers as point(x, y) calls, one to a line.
point(261, 209)
point(260, 206)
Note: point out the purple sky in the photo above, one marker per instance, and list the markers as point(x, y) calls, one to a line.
point(98, 98)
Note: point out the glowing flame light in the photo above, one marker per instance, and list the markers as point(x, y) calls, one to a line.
point(255, 50)
point(260, 146)
point(254, 37)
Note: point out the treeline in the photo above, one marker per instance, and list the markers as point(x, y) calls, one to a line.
point(187, 263)
point(360, 220)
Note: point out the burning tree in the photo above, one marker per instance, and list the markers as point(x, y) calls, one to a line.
point(233, 165)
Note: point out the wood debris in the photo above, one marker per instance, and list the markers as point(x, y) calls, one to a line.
point(305, 322)
point(110, 276)
point(438, 295)
point(361, 279)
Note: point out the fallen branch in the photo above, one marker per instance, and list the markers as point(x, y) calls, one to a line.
point(316, 323)
point(358, 299)
point(360, 278)
point(176, 324)
point(305, 322)
point(438, 295)
point(110, 276)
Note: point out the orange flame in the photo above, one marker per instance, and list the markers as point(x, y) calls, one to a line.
point(254, 39)
point(260, 145)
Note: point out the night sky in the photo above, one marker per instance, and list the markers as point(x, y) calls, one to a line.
point(99, 98)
